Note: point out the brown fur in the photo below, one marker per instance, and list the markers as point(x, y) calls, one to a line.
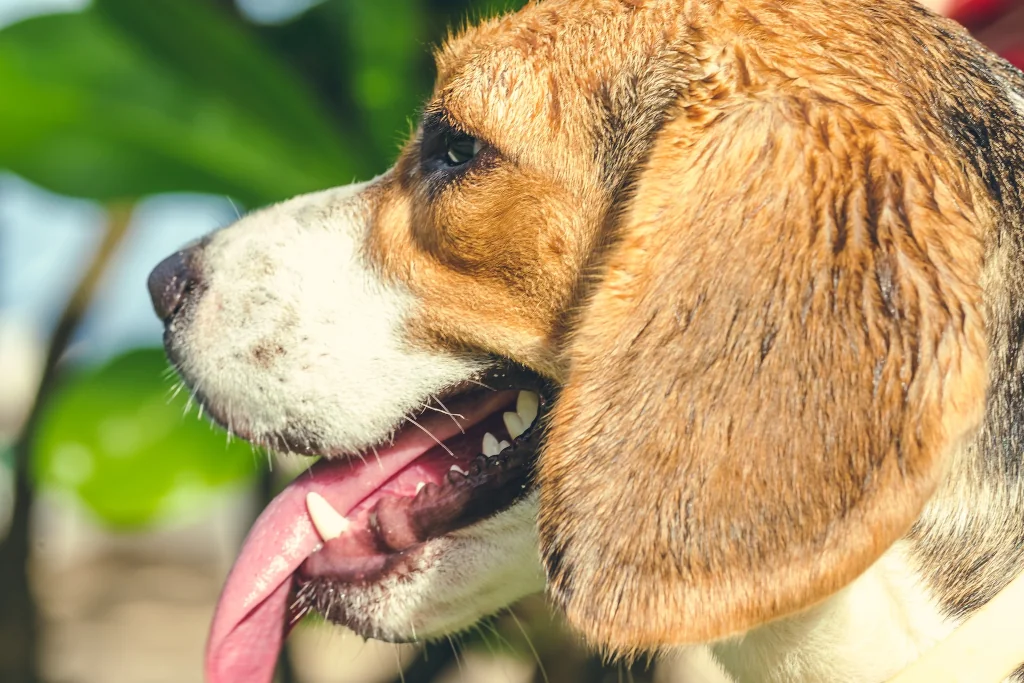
point(780, 418)
point(751, 241)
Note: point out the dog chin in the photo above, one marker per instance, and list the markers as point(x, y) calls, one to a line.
point(446, 586)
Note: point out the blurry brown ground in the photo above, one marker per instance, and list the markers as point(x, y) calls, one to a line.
point(135, 608)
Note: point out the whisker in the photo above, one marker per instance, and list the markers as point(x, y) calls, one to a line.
point(481, 384)
point(455, 654)
point(175, 391)
point(445, 412)
point(529, 643)
point(497, 634)
point(450, 414)
point(238, 214)
point(431, 435)
point(398, 663)
point(254, 456)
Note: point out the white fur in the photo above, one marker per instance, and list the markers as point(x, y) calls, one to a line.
point(459, 579)
point(865, 633)
point(296, 335)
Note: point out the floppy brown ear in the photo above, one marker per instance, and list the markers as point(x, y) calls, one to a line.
point(785, 348)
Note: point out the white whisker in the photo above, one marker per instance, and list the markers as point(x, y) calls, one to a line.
point(444, 409)
point(529, 643)
point(431, 435)
point(455, 653)
point(234, 207)
point(398, 663)
point(478, 383)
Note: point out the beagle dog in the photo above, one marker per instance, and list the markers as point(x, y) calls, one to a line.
point(704, 316)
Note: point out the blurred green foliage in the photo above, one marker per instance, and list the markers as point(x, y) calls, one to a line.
point(115, 436)
point(131, 98)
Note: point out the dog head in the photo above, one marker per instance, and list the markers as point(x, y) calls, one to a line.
point(693, 288)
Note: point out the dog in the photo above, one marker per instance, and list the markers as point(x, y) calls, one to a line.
point(704, 316)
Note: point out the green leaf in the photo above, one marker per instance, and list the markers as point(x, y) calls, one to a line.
point(85, 111)
point(387, 48)
point(114, 437)
point(216, 55)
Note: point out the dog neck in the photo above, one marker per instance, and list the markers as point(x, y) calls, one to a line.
point(869, 631)
point(987, 647)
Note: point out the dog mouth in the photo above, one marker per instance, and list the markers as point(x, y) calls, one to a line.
point(359, 520)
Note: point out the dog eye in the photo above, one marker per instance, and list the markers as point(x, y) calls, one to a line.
point(460, 149)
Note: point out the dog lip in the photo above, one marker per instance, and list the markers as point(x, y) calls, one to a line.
point(320, 593)
point(396, 523)
point(504, 375)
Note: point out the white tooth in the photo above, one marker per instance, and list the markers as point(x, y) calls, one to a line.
point(502, 445)
point(526, 406)
point(456, 468)
point(490, 446)
point(329, 524)
point(514, 424)
point(419, 486)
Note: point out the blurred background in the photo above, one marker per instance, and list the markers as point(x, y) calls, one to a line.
point(127, 128)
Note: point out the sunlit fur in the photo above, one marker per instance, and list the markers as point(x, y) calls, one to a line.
point(773, 253)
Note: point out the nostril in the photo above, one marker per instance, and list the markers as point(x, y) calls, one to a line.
point(169, 282)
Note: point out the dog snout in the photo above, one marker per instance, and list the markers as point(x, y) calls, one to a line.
point(171, 282)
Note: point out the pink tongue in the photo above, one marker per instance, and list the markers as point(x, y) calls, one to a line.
point(249, 624)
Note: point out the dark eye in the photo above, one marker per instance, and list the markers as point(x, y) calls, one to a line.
point(460, 148)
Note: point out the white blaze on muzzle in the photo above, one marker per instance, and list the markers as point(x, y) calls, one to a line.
point(293, 333)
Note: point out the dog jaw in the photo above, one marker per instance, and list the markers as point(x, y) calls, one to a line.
point(449, 584)
point(294, 341)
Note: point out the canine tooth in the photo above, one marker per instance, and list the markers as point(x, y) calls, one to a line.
point(491, 445)
point(527, 404)
point(502, 445)
point(419, 486)
point(327, 521)
point(514, 424)
point(456, 468)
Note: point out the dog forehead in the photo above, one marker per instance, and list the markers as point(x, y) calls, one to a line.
point(545, 70)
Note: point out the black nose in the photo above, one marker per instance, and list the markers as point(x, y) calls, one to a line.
point(170, 281)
